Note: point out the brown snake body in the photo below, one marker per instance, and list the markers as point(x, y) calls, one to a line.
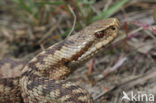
point(42, 79)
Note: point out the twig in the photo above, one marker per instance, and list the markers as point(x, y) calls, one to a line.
point(130, 83)
point(71, 10)
point(115, 67)
point(103, 93)
point(141, 79)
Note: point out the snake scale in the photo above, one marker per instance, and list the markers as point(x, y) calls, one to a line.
point(42, 79)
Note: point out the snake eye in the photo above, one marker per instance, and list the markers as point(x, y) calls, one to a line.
point(113, 28)
point(99, 34)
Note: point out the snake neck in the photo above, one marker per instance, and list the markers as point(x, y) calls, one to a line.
point(41, 76)
point(53, 62)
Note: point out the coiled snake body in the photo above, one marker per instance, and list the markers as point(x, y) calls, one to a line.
point(42, 79)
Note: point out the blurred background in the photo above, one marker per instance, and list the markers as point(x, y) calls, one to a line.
point(129, 64)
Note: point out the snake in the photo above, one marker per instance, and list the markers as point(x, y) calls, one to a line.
point(43, 78)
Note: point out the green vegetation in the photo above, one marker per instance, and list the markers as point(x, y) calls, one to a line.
point(38, 14)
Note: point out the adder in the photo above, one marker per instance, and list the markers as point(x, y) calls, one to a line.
point(43, 79)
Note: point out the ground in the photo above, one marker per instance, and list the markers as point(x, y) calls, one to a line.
point(127, 66)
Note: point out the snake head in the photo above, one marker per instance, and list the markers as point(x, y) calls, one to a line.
point(97, 36)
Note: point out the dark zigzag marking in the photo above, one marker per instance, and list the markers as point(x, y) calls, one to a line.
point(13, 63)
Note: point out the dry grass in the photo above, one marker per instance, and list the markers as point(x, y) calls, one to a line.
point(27, 27)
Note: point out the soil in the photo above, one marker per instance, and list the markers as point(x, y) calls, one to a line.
point(127, 66)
